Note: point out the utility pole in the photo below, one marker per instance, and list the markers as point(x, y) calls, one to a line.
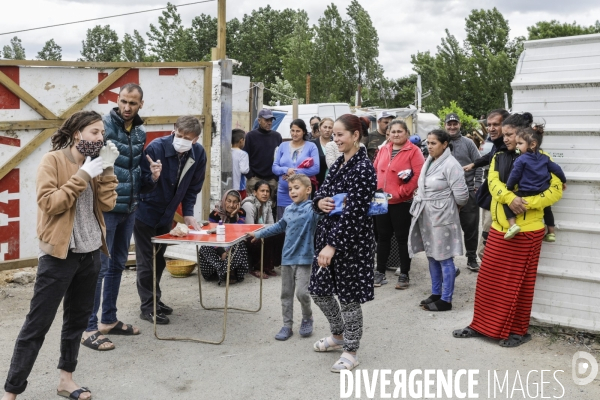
point(308, 88)
point(219, 52)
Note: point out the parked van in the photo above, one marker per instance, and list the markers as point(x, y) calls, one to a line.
point(307, 111)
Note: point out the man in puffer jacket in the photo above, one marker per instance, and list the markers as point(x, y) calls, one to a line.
point(123, 127)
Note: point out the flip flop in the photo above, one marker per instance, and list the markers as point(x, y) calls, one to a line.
point(118, 330)
point(74, 394)
point(92, 342)
point(466, 333)
point(515, 340)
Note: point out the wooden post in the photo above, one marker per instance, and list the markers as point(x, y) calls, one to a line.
point(219, 52)
point(295, 108)
point(308, 88)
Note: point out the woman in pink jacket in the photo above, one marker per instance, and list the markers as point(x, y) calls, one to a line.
point(398, 166)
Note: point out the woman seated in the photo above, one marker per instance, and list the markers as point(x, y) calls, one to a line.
point(258, 209)
point(213, 260)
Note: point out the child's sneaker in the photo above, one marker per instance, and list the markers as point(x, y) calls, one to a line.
point(306, 328)
point(284, 334)
point(551, 237)
point(512, 231)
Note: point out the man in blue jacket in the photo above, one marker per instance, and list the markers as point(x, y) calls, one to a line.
point(124, 128)
point(172, 173)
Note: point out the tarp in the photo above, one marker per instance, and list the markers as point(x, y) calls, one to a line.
point(279, 116)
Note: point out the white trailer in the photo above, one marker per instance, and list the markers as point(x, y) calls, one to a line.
point(558, 81)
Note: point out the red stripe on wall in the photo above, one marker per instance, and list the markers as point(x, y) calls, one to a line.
point(8, 100)
point(8, 141)
point(168, 71)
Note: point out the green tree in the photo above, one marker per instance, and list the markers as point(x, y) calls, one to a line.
point(170, 40)
point(101, 44)
point(365, 44)
point(477, 74)
point(14, 51)
point(203, 35)
point(282, 91)
point(260, 44)
point(50, 52)
point(467, 122)
point(554, 28)
point(334, 71)
point(424, 65)
point(298, 54)
point(487, 29)
point(134, 48)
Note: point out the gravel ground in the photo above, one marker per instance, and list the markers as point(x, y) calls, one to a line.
point(250, 364)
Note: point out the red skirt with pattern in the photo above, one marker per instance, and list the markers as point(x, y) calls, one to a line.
point(505, 285)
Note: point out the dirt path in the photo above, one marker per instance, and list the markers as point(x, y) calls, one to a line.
point(250, 364)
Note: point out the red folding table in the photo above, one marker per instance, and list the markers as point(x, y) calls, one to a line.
point(234, 234)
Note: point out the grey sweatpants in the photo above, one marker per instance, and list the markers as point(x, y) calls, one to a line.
point(295, 278)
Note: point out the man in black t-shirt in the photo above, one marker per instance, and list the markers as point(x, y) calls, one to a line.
point(260, 146)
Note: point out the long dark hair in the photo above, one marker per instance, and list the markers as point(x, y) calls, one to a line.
point(442, 136)
point(65, 135)
point(300, 124)
point(352, 123)
point(518, 120)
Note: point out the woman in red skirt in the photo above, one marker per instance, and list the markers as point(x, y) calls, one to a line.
point(506, 281)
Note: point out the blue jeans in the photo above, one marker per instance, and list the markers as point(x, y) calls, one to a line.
point(119, 228)
point(443, 274)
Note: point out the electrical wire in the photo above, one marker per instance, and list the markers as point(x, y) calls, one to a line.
point(110, 16)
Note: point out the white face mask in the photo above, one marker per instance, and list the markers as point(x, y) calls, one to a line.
point(182, 145)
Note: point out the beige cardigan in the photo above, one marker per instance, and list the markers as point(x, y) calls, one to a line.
point(59, 183)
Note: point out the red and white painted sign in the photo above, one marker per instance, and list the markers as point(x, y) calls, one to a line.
point(167, 92)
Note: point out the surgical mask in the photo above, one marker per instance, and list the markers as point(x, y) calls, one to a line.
point(89, 148)
point(182, 145)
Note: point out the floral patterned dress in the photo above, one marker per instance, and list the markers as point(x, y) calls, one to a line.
point(350, 275)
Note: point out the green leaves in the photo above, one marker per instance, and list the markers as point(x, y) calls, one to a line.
point(467, 122)
point(50, 52)
point(474, 75)
point(101, 44)
point(14, 51)
point(552, 29)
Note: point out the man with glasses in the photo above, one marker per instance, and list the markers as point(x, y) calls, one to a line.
point(173, 170)
point(125, 129)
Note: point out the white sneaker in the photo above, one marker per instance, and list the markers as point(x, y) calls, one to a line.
point(398, 272)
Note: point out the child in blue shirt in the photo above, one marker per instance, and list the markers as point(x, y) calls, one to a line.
point(531, 172)
point(299, 223)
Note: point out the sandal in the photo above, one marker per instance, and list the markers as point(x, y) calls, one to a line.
point(326, 344)
point(118, 330)
point(346, 362)
point(256, 274)
point(94, 343)
point(74, 394)
point(466, 333)
point(515, 340)
point(271, 273)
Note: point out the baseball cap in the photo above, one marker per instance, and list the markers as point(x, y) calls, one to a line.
point(452, 117)
point(265, 113)
point(385, 114)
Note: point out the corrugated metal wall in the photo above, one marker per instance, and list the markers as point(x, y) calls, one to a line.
point(558, 81)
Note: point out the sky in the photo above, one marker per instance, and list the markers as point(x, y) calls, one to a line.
point(404, 26)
